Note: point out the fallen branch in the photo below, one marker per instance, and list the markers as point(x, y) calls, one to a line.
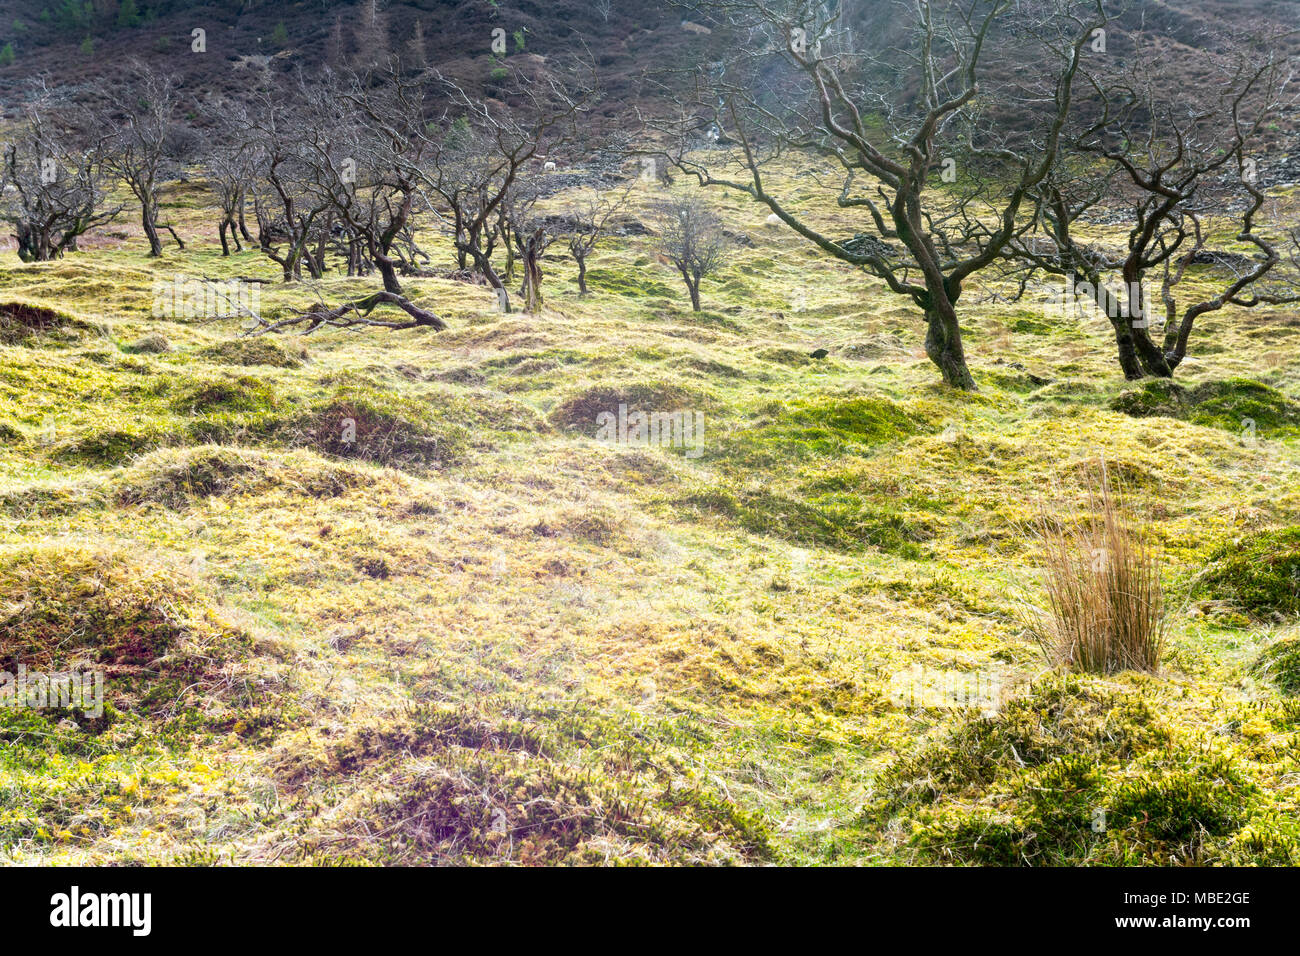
point(352, 314)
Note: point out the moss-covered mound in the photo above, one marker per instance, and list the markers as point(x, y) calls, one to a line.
point(1259, 573)
point(1156, 397)
point(243, 394)
point(258, 351)
point(843, 522)
point(142, 622)
point(1074, 773)
point(26, 323)
point(460, 784)
point(1235, 404)
point(177, 478)
point(1280, 664)
point(817, 428)
point(152, 344)
point(580, 411)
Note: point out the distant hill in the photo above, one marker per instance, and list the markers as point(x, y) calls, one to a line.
point(74, 41)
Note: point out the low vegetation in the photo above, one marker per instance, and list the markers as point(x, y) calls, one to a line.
point(930, 578)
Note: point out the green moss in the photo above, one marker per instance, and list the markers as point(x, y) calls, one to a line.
point(1031, 326)
point(1237, 403)
point(256, 351)
point(792, 358)
point(633, 283)
point(1280, 664)
point(1259, 572)
point(1173, 800)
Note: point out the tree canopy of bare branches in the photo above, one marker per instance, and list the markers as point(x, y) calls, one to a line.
point(690, 237)
point(53, 185)
point(788, 86)
point(143, 111)
point(1173, 172)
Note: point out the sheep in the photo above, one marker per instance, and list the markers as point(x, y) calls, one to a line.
point(549, 167)
point(774, 220)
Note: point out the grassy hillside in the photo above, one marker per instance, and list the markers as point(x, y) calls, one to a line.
point(476, 634)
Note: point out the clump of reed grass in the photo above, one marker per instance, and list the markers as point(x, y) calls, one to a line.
point(1106, 609)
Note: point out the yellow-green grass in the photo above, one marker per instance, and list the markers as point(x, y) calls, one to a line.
point(477, 634)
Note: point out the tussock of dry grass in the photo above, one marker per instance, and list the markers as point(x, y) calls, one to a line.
point(1106, 604)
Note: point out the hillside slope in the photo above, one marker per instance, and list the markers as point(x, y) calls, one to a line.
point(472, 632)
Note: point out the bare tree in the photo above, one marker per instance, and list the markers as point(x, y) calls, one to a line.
point(787, 88)
point(356, 313)
point(472, 162)
point(362, 142)
point(417, 52)
point(53, 187)
point(372, 34)
point(144, 111)
point(288, 206)
point(336, 47)
point(590, 216)
point(690, 237)
point(1173, 169)
point(229, 167)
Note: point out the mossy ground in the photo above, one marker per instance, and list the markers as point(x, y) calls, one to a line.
point(474, 633)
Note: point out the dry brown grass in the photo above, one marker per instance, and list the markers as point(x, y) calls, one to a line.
point(1106, 607)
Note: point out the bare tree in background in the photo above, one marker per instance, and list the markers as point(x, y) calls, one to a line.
point(590, 216)
point(527, 236)
point(471, 163)
point(787, 88)
point(1175, 169)
point(53, 186)
point(287, 207)
point(690, 237)
point(372, 34)
point(361, 145)
point(229, 167)
point(144, 111)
